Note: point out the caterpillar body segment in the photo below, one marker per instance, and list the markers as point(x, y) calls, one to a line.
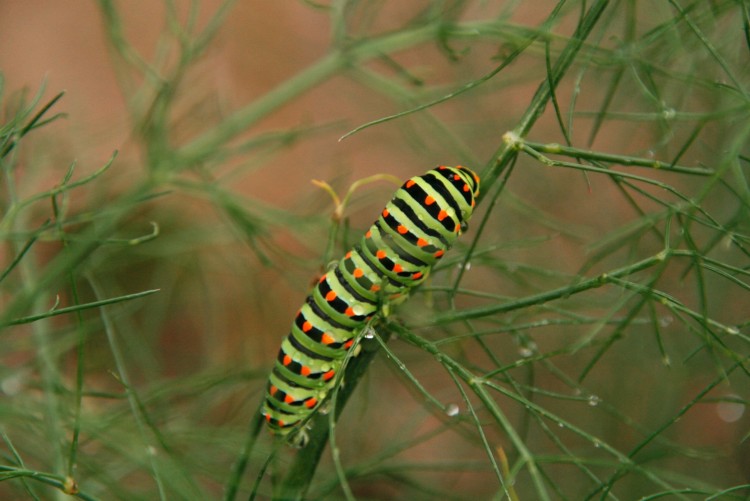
point(413, 232)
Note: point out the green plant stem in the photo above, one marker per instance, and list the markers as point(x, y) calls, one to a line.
point(206, 145)
point(135, 407)
point(76, 308)
point(35, 122)
point(57, 269)
point(611, 277)
point(606, 487)
point(235, 477)
point(57, 481)
point(558, 149)
point(543, 94)
point(299, 476)
point(477, 385)
point(480, 384)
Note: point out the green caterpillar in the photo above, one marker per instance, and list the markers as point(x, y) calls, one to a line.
point(413, 232)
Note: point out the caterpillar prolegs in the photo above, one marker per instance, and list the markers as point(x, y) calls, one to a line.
point(413, 232)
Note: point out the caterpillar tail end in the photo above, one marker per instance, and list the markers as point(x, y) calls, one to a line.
point(292, 433)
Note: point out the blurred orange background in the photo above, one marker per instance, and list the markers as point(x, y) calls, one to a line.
point(226, 307)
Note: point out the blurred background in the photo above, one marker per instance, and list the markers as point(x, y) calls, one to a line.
point(222, 114)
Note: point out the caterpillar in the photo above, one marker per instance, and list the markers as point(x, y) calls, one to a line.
point(412, 233)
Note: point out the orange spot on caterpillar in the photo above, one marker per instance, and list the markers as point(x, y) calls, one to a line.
point(442, 215)
point(421, 242)
point(385, 213)
point(305, 371)
point(410, 183)
point(375, 288)
point(322, 279)
point(268, 417)
point(402, 229)
point(311, 402)
point(307, 326)
point(397, 268)
point(288, 399)
point(348, 344)
point(416, 276)
point(439, 253)
point(326, 338)
point(429, 200)
point(348, 255)
point(287, 360)
point(349, 312)
point(272, 390)
point(368, 234)
point(329, 375)
point(358, 273)
point(380, 254)
point(330, 296)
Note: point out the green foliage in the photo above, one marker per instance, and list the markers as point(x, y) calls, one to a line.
point(587, 339)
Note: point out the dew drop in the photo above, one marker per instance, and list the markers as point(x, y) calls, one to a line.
point(727, 241)
point(525, 352)
point(731, 409)
point(452, 410)
point(669, 113)
point(666, 320)
point(12, 385)
point(593, 400)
